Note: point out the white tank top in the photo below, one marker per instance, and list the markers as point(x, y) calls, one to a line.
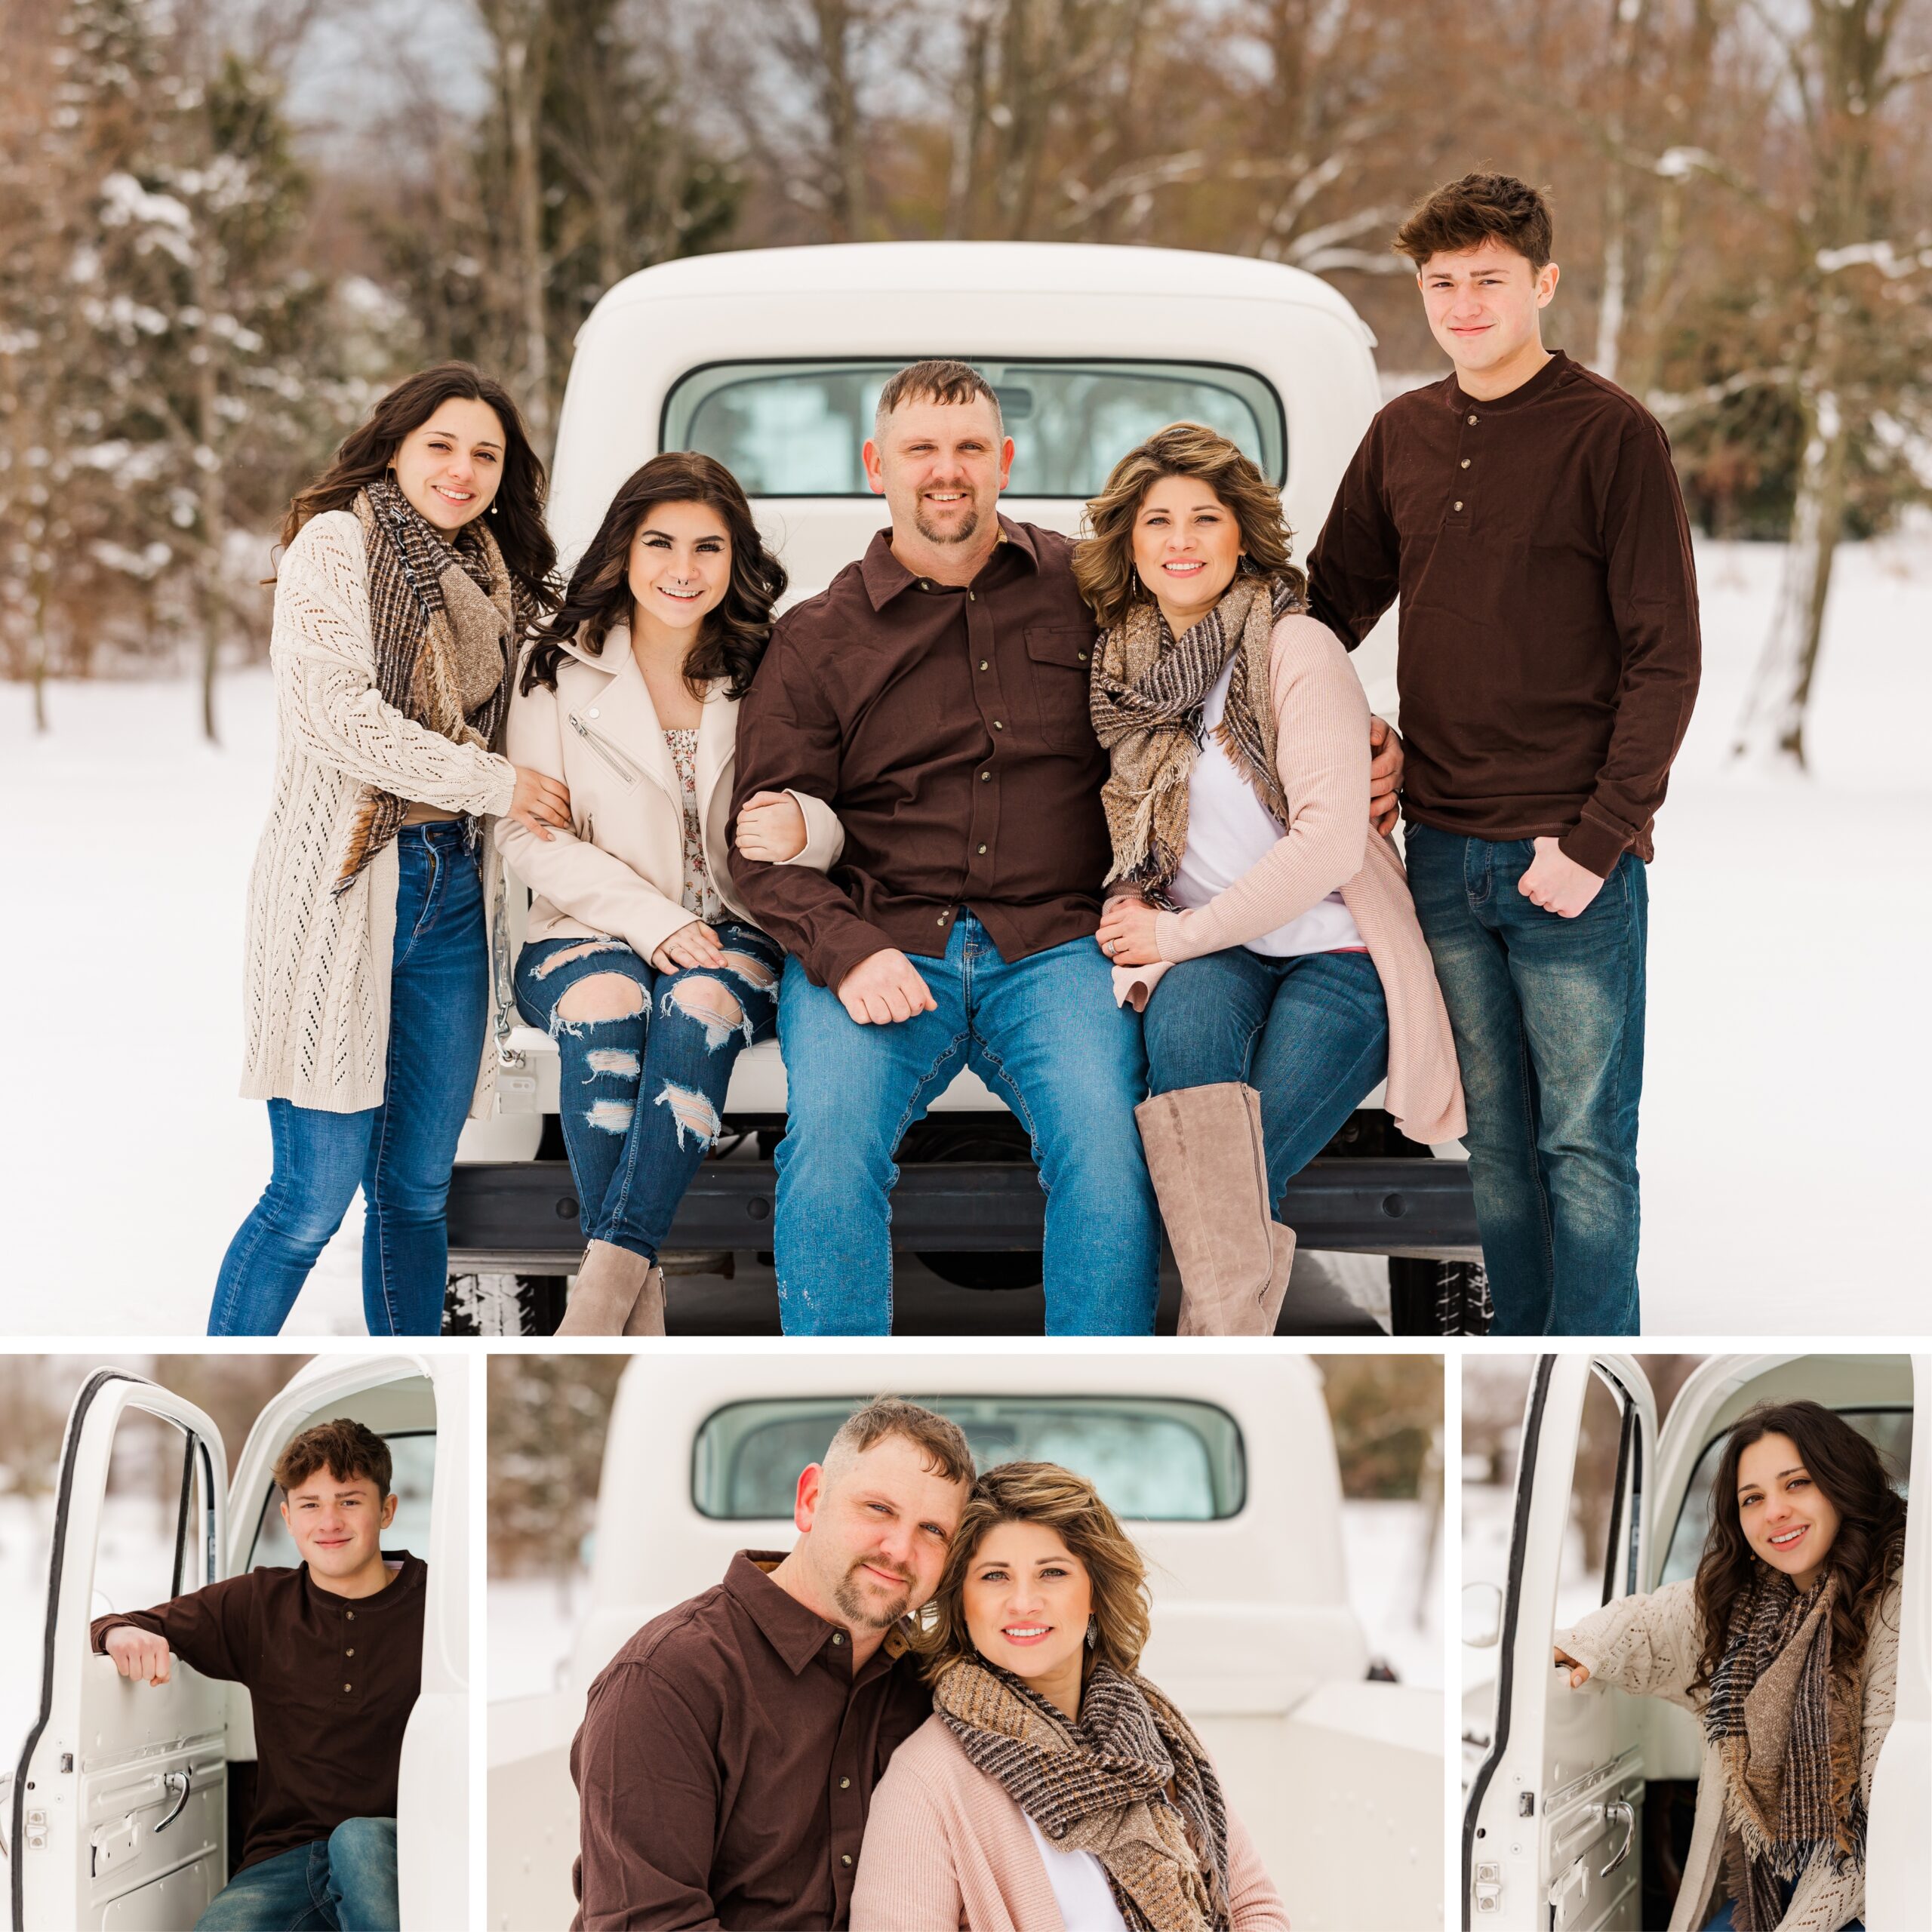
point(1080, 1890)
point(1229, 831)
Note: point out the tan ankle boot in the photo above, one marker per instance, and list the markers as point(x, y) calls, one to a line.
point(609, 1284)
point(646, 1315)
point(1205, 1153)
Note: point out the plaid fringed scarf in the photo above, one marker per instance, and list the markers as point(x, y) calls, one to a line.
point(442, 611)
point(1786, 1726)
point(1149, 689)
point(1100, 1784)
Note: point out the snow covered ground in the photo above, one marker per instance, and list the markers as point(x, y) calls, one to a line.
point(1785, 1040)
point(532, 1618)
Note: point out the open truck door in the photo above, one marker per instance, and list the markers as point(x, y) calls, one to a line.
point(1552, 1828)
point(118, 1820)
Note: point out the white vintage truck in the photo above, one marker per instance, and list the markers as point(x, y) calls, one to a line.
point(1557, 1835)
point(127, 1797)
point(1223, 1467)
point(771, 360)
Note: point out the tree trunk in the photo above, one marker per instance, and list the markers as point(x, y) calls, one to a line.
point(1772, 733)
point(522, 87)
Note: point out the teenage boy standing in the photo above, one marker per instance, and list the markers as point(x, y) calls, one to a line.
point(331, 1654)
point(1526, 512)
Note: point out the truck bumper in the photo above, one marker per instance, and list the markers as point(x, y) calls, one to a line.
point(521, 1216)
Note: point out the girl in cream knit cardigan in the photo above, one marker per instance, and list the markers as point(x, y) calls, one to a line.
point(410, 567)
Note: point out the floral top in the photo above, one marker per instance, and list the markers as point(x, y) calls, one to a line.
point(700, 895)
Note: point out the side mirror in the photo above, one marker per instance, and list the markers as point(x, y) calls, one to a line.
point(1482, 1615)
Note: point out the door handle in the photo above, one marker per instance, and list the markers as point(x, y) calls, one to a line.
point(1617, 1809)
point(170, 1780)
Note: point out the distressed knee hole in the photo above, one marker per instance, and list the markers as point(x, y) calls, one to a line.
point(583, 952)
point(610, 1116)
point(692, 1113)
point(712, 1004)
point(619, 1061)
point(752, 970)
point(602, 996)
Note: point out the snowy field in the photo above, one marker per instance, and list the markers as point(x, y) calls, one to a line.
point(532, 1618)
point(1786, 1042)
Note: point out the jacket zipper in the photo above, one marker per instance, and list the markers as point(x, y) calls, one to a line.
point(629, 773)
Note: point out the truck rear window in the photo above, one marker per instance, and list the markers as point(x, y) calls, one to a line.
point(1152, 1459)
point(796, 429)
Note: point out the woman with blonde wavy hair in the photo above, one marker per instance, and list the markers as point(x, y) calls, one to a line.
point(1260, 921)
point(1053, 1786)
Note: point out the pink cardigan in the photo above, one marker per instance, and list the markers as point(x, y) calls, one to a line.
point(1321, 745)
point(945, 1848)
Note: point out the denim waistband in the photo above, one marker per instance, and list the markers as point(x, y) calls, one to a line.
point(444, 831)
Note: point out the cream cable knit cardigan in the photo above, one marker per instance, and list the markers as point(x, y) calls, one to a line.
point(1648, 1646)
point(317, 974)
point(945, 1847)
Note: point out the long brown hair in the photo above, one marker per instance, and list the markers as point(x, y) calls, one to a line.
point(1865, 1553)
point(731, 640)
point(1103, 560)
point(1046, 1493)
point(516, 511)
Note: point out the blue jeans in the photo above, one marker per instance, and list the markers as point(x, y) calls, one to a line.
point(1547, 1014)
point(642, 1095)
point(1045, 1034)
point(343, 1883)
point(399, 1154)
point(1310, 1034)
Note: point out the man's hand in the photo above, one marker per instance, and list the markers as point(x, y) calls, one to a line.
point(137, 1653)
point(1127, 932)
point(885, 988)
point(1385, 774)
point(1557, 884)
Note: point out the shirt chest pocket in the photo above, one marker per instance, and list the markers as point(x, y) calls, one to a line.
point(1059, 658)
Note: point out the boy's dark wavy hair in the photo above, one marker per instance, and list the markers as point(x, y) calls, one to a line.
point(1866, 1554)
point(731, 641)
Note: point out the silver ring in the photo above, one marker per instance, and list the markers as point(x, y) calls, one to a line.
point(1108, 949)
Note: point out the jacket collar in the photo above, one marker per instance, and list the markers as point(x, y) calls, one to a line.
point(885, 577)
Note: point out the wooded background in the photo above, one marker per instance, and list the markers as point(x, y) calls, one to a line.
point(213, 262)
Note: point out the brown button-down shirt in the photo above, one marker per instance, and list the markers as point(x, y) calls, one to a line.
point(1549, 645)
point(333, 1680)
point(949, 728)
point(726, 1760)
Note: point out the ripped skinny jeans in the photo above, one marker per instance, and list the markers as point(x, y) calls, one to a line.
point(641, 1096)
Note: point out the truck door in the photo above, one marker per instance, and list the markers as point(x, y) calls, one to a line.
point(1553, 1826)
point(1898, 1855)
point(118, 1815)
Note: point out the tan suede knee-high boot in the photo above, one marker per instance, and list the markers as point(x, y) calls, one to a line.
point(646, 1315)
point(609, 1284)
point(1205, 1153)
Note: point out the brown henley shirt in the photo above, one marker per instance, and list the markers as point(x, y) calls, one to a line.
point(949, 728)
point(333, 1680)
point(1549, 651)
point(726, 1763)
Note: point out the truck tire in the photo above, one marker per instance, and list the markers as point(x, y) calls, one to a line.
point(496, 1304)
point(1437, 1297)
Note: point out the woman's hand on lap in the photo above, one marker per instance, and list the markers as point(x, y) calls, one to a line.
point(1127, 932)
point(689, 948)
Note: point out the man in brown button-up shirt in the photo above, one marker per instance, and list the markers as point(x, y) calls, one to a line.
point(729, 1751)
point(935, 695)
point(331, 1653)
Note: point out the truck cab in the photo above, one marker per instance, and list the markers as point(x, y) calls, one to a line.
point(1567, 1825)
point(128, 1799)
point(771, 360)
point(1222, 1469)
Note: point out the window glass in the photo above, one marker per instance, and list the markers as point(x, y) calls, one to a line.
point(1889, 1431)
point(412, 1455)
point(134, 1559)
point(1152, 1460)
point(797, 429)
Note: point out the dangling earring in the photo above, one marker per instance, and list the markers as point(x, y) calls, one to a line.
point(1093, 1632)
point(493, 509)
